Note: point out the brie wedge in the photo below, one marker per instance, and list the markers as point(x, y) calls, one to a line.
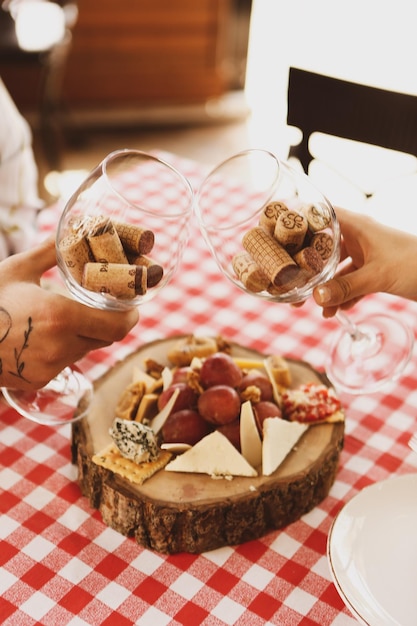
point(160, 419)
point(250, 440)
point(279, 438)
point(213, 455)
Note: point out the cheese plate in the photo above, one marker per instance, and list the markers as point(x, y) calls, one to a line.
point(194, 512)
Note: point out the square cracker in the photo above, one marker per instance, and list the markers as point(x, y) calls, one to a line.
point(137, 473)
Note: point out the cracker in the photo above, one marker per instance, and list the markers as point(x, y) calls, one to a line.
point(334, 418)
point(111, 459)
point(129, 400)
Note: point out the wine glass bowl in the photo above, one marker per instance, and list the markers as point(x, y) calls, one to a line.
point(122, 233)
point(271, 232)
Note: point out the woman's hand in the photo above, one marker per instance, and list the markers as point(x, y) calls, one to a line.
point(41, 332)
point(374, 258)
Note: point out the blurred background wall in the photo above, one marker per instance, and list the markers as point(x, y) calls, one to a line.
point(127, 56)
point(170, 65)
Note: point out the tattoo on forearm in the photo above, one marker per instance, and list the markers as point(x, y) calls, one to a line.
point(20, 365)
point(5, 325)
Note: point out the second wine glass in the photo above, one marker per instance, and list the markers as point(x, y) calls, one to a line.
point(277, 237)
point(119, 242)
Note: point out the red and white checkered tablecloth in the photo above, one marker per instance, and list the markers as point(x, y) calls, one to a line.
point(60, 564)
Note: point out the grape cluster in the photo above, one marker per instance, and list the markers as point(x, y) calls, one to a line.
point(222, 387)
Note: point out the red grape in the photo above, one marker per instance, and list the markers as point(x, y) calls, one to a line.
point(180, 375)
point(260, 380)
point(185, 426)
point(187, 397)
point(219, 404)
point(220, 369)
point(232, 432)
point(262, 410)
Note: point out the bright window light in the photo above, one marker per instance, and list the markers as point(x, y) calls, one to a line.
point(39, 25)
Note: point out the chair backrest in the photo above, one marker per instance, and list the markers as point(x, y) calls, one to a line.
point(318, 103)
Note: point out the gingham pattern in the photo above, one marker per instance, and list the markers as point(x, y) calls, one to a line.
point(59, 564)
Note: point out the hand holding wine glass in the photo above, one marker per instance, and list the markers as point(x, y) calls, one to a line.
point(42, 331)
point(376, 258)
point(119, 241)
point(275, 236)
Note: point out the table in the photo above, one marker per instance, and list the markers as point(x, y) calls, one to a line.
point(60, 564)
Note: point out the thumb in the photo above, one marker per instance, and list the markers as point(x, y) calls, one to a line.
point(344, 289)
point(34, 262)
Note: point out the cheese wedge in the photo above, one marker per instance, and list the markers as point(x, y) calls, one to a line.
point(276, 392)
point(134, 440)
point(167, 377)
point(247, 363)
point(147, 408)
point(160, 419)
point(250, 440)
point(213, 455)
point(278, 369)
point(279, 438)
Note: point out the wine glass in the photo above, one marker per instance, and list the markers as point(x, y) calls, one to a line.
point(276, 237)
point(119, 241)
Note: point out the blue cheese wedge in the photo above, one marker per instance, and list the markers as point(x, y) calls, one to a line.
point(213, 455)
point(279, 438)
point(134, 440)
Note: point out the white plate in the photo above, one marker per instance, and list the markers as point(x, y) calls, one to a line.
point(372, 552)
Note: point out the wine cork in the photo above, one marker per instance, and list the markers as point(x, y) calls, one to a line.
point(323, 243)
point(249, 273)
point(290, 230)
point(119, 280)
point(270, 256)
point(154, 270)
point(105, 243)
point(317, 218)
point(309, 260)
point(299, 280)
point(135, 240)
point(75, 252)
point(270, 214)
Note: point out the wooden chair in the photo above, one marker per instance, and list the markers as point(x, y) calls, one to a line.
point(323, 104)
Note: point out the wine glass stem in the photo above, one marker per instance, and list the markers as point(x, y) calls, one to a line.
point(349, 326)
point(363, 344)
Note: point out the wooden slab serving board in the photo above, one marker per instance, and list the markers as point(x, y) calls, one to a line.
point(178, 512)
